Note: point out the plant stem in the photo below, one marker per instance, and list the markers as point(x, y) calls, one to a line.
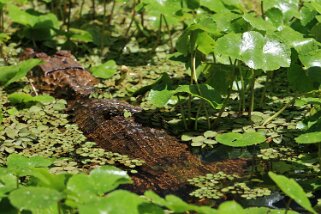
point(169, 34)
point(102, 45)
point(251, 106)
point(111, 12)
point(93, 9)
point(132, 19)
point(207, 117)
point(279, 112)
point(182, 111)
point(319, 153)
point(159, 32)
point(197, 115)
point(68, 18)
point(241, 90)
point(268, 80)
point(262, 10)
point(81, 7)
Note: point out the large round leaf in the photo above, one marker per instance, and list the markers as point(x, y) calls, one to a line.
point(83, 188)
point(34, 198)
point(255, 50)
point(107, 178)
point(292, 189)
point(240, 140)
point(117, 202)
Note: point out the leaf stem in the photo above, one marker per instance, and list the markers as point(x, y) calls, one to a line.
point(132, 19)
point(279, 112)
point(251, 106)
point(182, 111)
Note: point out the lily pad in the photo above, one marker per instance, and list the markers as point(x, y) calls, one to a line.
point(240, 140)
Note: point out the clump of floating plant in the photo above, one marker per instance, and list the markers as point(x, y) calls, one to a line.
point(220, 185)
point(207, 139)
point(44, 130)
point(281, 153)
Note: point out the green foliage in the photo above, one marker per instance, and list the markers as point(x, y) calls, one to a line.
point(292, 189)
point(224, 49)
point(13, 73)
point(81, 192)
point(22, 98)
point(240, 140)
point(105, 70)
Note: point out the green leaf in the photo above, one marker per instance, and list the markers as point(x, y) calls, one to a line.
point(13, 73)
point(48, 20)
point(311, 59)
point(34, 198)
point(257, 52)
point(167, 8)
point(23, 165)
point(265, 210)
point(275, 16)
point(258, 22)
point(80, 190)
point(177, 205)
point(117, 202)
point(183, 43)
point(205, 43)
point(47, 179)
point(159, 98)
point(308, 138)
point(229, 45)
point(299, 79)
point(203, 91)
point(192, 4)
point(307, 14)
point(106, 70)
point(240, 140)
point(79, 35)
point(8, 182)
point(107, 178)
point(214, 5)
point(219, 76)
point(18, 97)
point(292, 189)
point(230, 207)
point(289, 8)
point(83, 188)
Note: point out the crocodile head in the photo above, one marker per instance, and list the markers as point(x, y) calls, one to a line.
point(60, 74)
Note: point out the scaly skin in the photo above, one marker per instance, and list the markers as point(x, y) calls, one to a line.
point(168, 163)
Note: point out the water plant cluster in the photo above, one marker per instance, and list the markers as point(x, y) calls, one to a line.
point(234, 79)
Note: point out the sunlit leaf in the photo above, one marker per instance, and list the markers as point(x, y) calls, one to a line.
point(292, 189)
point(308, 138)
point(257, 52)
point(13, 73)
point(289, 8)
point(258, 22)
point(34, 198)
point(117, 202)
point(203, 91)
point(24, 165)
point(8, 182)
point(230, 207)
point(106, 70)
point(20, 97)
point(83, 188)
point(240, 140)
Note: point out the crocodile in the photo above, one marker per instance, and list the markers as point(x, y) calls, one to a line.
point(168, 163)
